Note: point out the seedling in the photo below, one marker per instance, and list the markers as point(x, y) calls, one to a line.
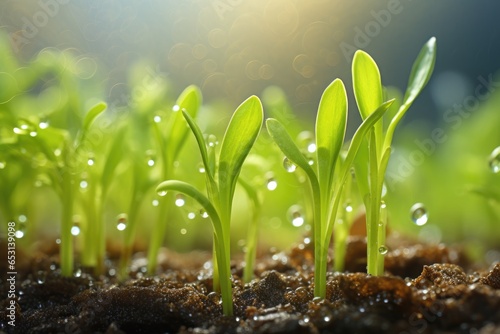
point(221, 178)
point(326, 185)
point(251, 242)
point(371, 162)
point(170, 136)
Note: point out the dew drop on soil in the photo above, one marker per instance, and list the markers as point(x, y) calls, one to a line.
point(289, 166)
point(419, 214)
point(122, 222)
point(272, 184)
point(494, 160)
point(78, 273)
point(214, 297)
point(180, 200)
point(383, 250)
point(295, 215)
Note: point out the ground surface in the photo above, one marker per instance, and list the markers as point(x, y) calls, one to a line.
point(426, 289)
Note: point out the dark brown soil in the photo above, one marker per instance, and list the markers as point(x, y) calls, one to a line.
point(426, 289)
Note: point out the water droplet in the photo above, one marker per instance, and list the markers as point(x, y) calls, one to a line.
point(83, 184)
point(183, 231)
point(290, 167)
point(272, 184)
point(191, 215)
point(419, 214)
point(121, 223)
point(212, 141)
point(383, 205)
point(201, 167)
point(57, 152)
point(155, 202)
point(348, 207)
point(305, 141)
point(162, 193)
point(151, 157)
point(383, 250)
point(40, 278)
point(295, 215)
point(203, 213)
point(214, 297)
point(180, 200)
point(2, 164)
point(91, 160)
point(157, 119)
point(78, 273)
point(75, 229)
point(22, 219)
point(33, 133)
point(176, 108)
point(44, 124)
point(494, 160)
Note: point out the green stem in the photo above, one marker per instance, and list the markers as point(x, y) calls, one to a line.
point(215, 267)
point(251, 248)
point(66, 224)
point(159, 235)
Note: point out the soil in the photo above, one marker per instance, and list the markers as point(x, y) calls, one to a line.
point(426, 289)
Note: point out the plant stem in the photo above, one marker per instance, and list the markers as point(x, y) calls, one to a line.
point(66, 224)
point(159, 235)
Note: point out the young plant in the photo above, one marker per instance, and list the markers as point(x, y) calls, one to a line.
point(64, 155)
point(170, 136)
point(372, 160)
point(251, 242)
point(221, 178)
point(326, 185)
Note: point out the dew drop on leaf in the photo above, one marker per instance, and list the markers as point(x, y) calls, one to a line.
point(201, 167)
point(183, 231)
point(494, 160)
point(150, 158)
point(212, 141)
point(203, 213)
point(157, 119)
point(383, 250)
point(191, 215)
point(155, 202)
point(162, 193)
point(2, 164)
point(121, 223)
point(295, 215)
point(176, 108)
point(44, 124)
point(419, 214)
point(75, 229)
point(180, 200)
point(272, 184)
point(289, 166)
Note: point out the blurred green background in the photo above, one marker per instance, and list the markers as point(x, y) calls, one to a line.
point(118, 50)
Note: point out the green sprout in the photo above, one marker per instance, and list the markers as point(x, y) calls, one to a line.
point(371, 162)
point(170, 134)
point(326, 185)
point(251, 242)
point(221, 178)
